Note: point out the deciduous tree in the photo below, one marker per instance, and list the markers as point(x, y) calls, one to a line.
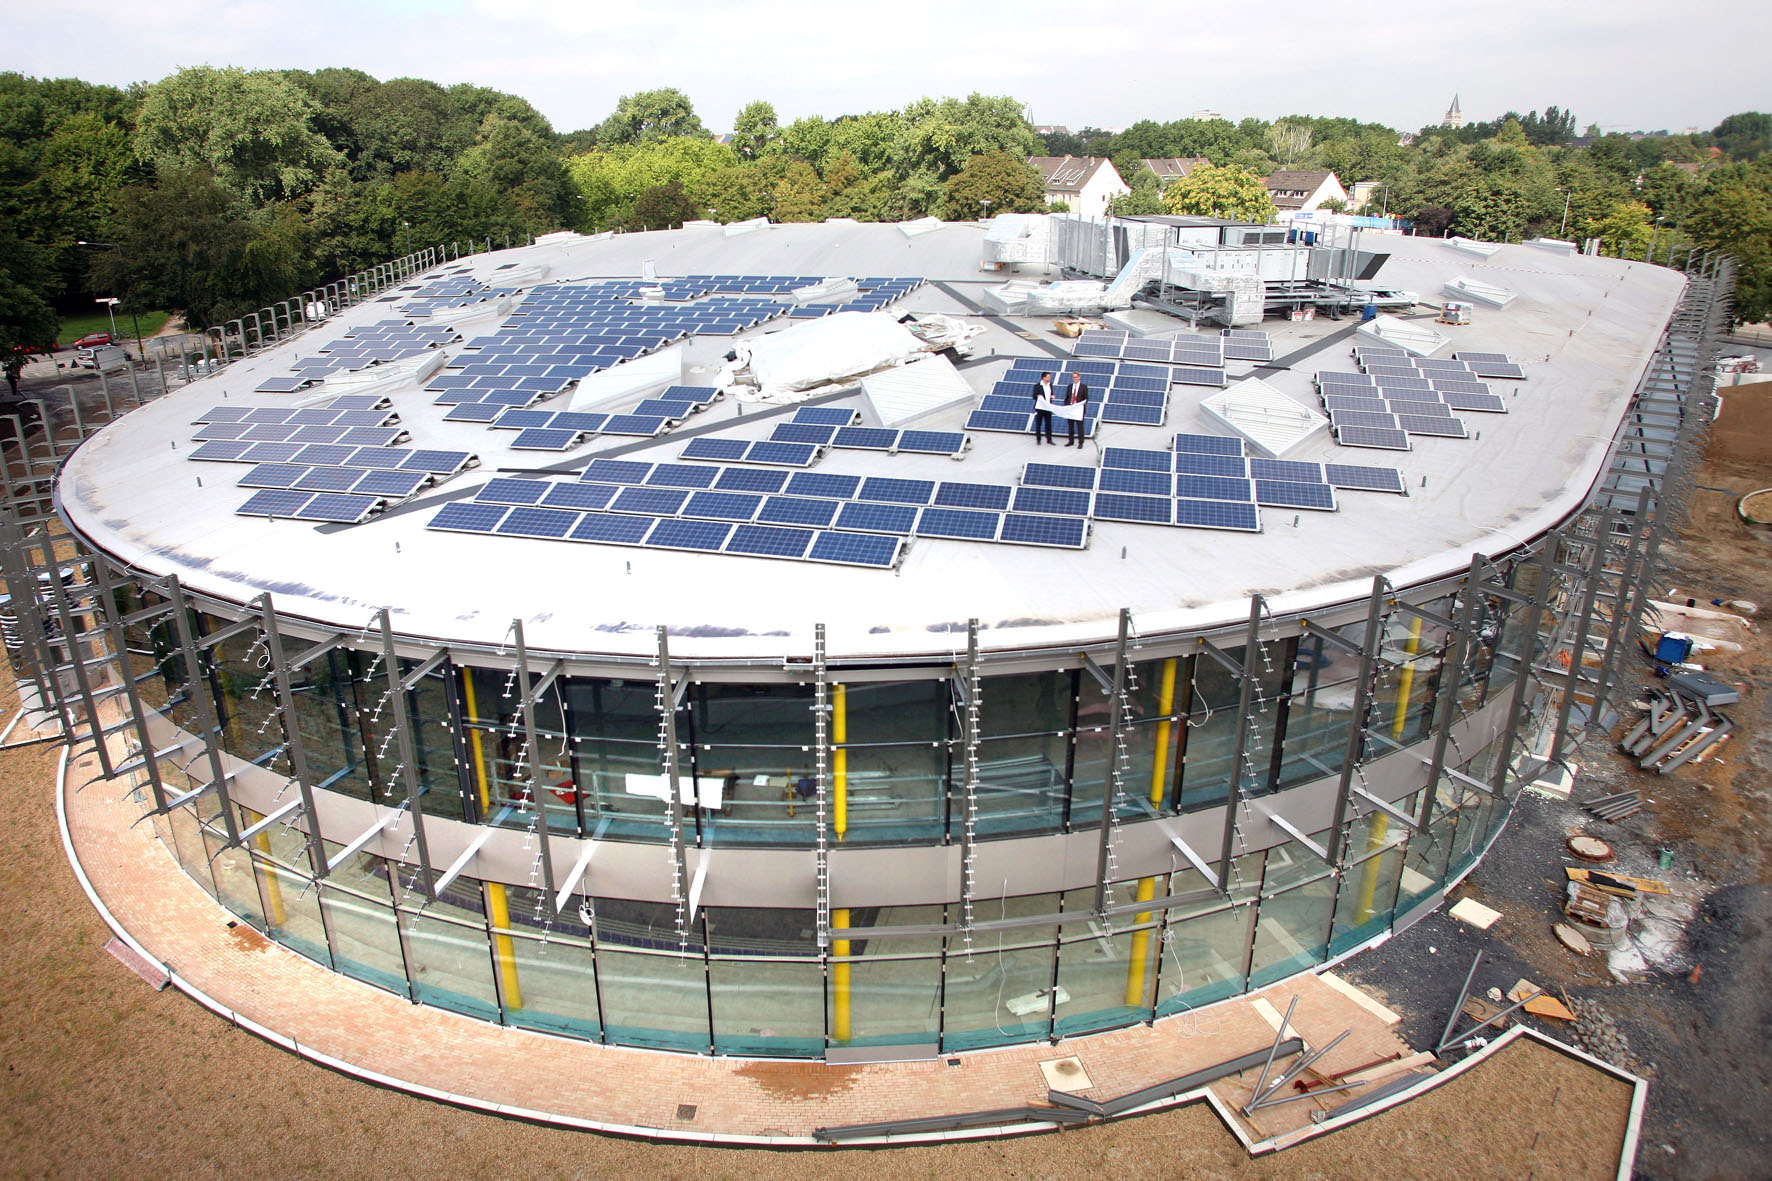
point(250, 129)
point(1229, 192)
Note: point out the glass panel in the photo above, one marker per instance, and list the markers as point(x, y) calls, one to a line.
point(1212, 727)
point(653, 1000)
point(187, 839)
point(999, 990)
point(1292, 931)
point(896, 760)
point(251, 727)
point(550, 986)
point(1430, 849)
point(235, 886)
point(292, 905)
point(327, 714)
point(1206, 942)
point(768, 1007)
point(451, 963)
point(1322, 684)
point(360, 921)
point(1024, 758)
point(878, 1000)
point(1106, 972)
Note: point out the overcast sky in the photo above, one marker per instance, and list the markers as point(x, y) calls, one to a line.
point(1628, 65)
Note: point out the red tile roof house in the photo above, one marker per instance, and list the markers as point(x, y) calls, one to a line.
point(1085, 183)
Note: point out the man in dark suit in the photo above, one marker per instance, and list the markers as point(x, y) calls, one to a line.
point(1043, 418)
point(1074, 394)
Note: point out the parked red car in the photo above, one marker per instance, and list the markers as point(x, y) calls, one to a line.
point(92, 340)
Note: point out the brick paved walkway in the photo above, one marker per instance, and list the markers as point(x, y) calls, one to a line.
point(428, 1051)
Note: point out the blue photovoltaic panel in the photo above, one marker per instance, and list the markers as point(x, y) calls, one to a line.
point(1290, 494)
point(660, 408)
point(634, 424)
point(1421, 424)
point(998, 420)
point(1132, 458)
point(330, 479)
point(802, 432)
point(224, 414)
point(1500, 358)
point(1336, 404)
point(1149, 510)
point(537, 522)
point(1209, 444)
point(696, 535)
point(615, 528)
point(1366, 418)
point(1498, 369)
point(1404, 383)
point(798, 510)
point(504, 490)
point(569, 420)
point(877, 518)
point(769, 542)
point(1364, 479)
point(269, 452)
point(1140, 482)
point(269, 434)
point(463, 517)
point(1194, 463)
point(330, 506)
point(865, 438)
point(395, 485)
point(1028, 529)
point(826, 415)
point(578, 496)
point(1484, 403)
point(1240, 515)
point(1403, 406)
point(227, 450)
point(616, 471)
point(1291, 470)
point(1383, 438)
point(653, 502)
point(932, 442)
point(1132, 415)
point(269, 416)
point(896, 491)
point(544, 439)
point(1433, 365)
point(483, 412)
point(442, 463)
point(953, 494)
point(1057, 475)
point(327, 453)
point(720, 450)
point(511, 419)
point(959, 523)
point(750, 479)
point(1063, 502)
point(358, 402)
point(723, 506)
point(371, 436)
point(1459, 385)
point(1213, 488)
point(823, 484)
point(274, 475)
point(856, 549)
point(785, 454)
point(1189, 375)
point(683, 475)
point(226, 430)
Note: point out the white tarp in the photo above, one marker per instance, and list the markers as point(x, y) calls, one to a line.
point(640, 377)
point(913, 390)
point(820, 352)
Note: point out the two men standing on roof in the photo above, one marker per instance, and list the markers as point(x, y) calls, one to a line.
point(1068, 402)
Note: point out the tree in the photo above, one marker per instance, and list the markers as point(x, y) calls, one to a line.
point(27, 322)
point(755, 130)
point(250, 130)
point(664, 207)
point(517, 162)
point(608, 179)
point(1290, 142)
point(1623, 229)
point(1734, 216)
point(1010, 185)
point(649, 116)
point(1744, 136)
point(1230, 192)
point(941, 136)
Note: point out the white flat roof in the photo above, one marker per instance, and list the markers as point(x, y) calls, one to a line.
point(1584, 329)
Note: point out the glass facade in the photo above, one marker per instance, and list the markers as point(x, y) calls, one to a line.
point(1043, 749)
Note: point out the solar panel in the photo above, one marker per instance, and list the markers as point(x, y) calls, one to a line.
point(952, 494)
point(615, 528)
point(482, 412)
point(682, 475)
point(1293, 494)
point(341, 509)
point(1349, 418)
point(784, 454)
point(959, 523)
point(766, 541)
point(330, 479)
point(226, 450)
point(722, 450)
point(1032, 529)
point(274, 475)
point(1196, 464)
point(653, 502)
point(932, 442)
point(671, 533)
point(865, 438)
point(750, 479)
point(1383, 438)
point(856, 549)
point(442, 463)
point(1498, 369)
point(1421, 424)
point(802, 432)
point(1190, 375)
point(513, 419)
point(838, 487)
point(798, 510)
point(1434, 409)
point(1454, 385)
point(224, 414)
point(504, 490)
point(1209, 444)
point(1064, 502)
point(221, 430)
point(266, 452)
point(577, 495)
point(1213, 488)
point(545, 439)
point(870, 517)
point(1291, 470)
point(999, 420)
point(1147, 510)
point(1054, 475)
point(634, 424)
point(537, 522)
point(1364, 479)
point(1337, 403)
point(1239, 515)
point(1141, 482)
point(827, 415)
point(394, 485)
point(1135, 459)
point(723, 506)
point(1482, 403)
point(1497, 358)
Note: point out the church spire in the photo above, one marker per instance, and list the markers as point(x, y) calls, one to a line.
point(1454, 116)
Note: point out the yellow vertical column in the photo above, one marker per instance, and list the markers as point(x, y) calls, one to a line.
point(840, 979)
point(498, 907)
point(1381, 823)
point(1147, 887)
point(840, 918)
point(273, 887)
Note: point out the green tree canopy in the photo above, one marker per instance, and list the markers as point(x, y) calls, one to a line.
point(1009, 183)
point(1230, 192)
point(1745, 136)
point(250, 129)
point(755, 130)
point(649, 116)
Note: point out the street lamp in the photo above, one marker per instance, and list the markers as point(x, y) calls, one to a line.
point(986, 202)
point(1568, 195)
point(1384, 210)
point(112, 301)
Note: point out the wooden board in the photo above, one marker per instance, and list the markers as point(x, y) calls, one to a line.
point(1646, 885)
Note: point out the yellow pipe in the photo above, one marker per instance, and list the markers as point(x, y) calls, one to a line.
point(498, 907)
point(840, 979)
point(1147, 887)
point(273, 887)
point(1381, 823)
point(1141, 947)
point(840, 756)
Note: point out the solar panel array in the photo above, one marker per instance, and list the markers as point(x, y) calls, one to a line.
point(834, 427)
point(452, 291)
point(1197, 360)
point(1119, 392)
point(1396, 395)
point(559, 430)
point(1242, 344)
point(386, 340)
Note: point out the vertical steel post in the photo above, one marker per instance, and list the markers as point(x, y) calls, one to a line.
point(408, 756)
point(201, 690)
point(1360, 723)
point(298, 758)
point(1233, 796)
point(1106, 858)
point(536, 788)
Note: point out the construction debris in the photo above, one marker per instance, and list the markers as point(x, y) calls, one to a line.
point(1622, 884)
point(1572, 939)
point(1469, 910)
point(1588, 848)
point(1679, 723)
